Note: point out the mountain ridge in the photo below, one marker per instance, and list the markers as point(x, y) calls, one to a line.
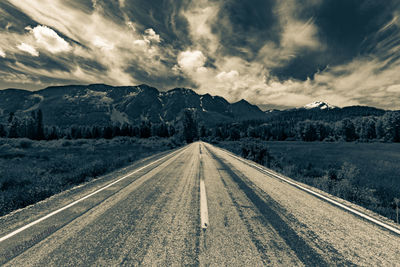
point(101, 104)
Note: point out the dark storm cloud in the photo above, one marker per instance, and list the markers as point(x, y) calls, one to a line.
point(251, 24)
point(110, 10)
point(344, 25)
point(47, 62)
point(303, 66)
point(272, 53)
point(12, 19)
point(161, 82)
point(162, 15)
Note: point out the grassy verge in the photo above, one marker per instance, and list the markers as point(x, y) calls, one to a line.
point(367, 174)
point(31, 171)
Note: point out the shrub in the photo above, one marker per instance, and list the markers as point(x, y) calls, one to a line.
point(25, 143)
point(66, 143)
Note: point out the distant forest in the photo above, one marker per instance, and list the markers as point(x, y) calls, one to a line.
point(365, 129)
point(383, 127)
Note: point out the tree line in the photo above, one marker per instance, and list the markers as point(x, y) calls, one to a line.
point(33, 128)
point(188, 128)
point(372, 128)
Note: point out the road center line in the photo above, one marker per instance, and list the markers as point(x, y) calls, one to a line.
point(81, 199)
point(203, 206)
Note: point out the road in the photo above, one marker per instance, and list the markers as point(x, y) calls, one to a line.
point(200, 206)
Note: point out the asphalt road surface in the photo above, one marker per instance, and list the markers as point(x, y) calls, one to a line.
point(198, 205)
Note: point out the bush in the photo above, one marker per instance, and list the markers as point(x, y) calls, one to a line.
point(66, 143)
point(256, 152)
point(25, 143)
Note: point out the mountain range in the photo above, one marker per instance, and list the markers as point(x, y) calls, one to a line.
point(100, 104)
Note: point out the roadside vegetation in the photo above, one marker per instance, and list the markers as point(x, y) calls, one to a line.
point(31, 171)
point(367, 174)
point(38, 161)
point(352, 157)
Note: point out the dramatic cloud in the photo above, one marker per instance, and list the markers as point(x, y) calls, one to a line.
point(300, 35)
point(50, 40)
point(102, 44)
point(150, 35)
point(191, 61)
point(227, 76)
point(272, 53)
point(29, 49)
point(121, 3)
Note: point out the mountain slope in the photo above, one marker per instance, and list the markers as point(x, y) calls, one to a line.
point(100, 104)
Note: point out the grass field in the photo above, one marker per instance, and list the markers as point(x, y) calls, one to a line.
point(378, 163)
point(367, 174)
point(31, 171)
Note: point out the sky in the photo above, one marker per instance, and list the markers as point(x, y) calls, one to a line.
point(275, 54)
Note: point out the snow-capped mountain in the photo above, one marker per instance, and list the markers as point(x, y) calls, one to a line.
point(319, 105)
point(100, 104)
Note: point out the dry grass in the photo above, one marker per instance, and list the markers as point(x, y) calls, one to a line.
point(31, 171)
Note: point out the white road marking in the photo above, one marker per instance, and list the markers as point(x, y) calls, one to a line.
point(79, 200)
point(203, 205)
point(334, 202)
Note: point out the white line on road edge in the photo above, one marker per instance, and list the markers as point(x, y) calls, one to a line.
point(203, 205)
point(334, 202)
point(79, 200)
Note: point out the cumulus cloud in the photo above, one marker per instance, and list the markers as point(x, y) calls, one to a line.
point(142, 43)
point(29, 49)
point(151, 35)
point(191, 61)
point(2, 53)
point(50, 40)
point(227, 76)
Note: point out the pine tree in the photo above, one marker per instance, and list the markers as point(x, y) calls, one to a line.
point(145, 129)
point(348, 130)
point(107, 132)
point(39, 125)
point(10, 117)
point(3, 132)
point(190, 128)
point(14, 128)
point(53, 134)
point(203, 132)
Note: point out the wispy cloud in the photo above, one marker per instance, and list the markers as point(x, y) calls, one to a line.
point(365, 80)
point(272, 53)
point(95, 37)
